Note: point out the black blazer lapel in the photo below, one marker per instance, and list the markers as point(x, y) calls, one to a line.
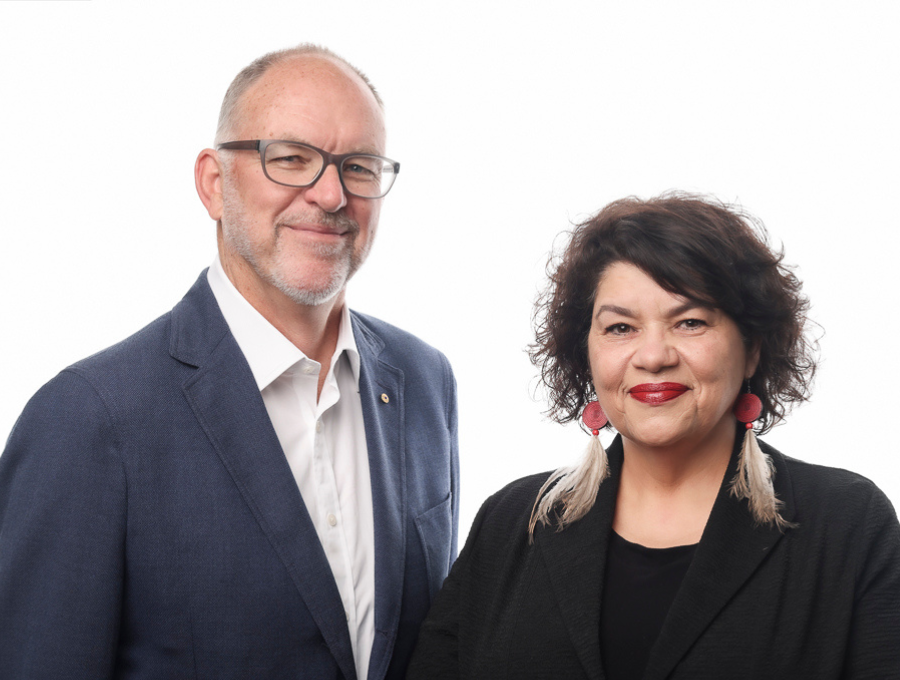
point(224, 397)
point(382, 395)
point(730, 551)
point(576, 559)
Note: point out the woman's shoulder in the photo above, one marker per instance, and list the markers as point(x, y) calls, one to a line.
point(831, 490)
point(504, 516)
point(514, 499)
point(518, 491)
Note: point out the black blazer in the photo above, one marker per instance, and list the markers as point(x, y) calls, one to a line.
point(819, 601)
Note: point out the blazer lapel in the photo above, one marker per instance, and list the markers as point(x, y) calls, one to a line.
point(731, 549)
point(575, 559)
point(382, 396)
point(225, 400)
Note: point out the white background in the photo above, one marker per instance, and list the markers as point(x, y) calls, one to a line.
point(510, 119)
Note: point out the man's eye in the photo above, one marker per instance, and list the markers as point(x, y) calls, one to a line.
point(359, 171)
point(288, 160)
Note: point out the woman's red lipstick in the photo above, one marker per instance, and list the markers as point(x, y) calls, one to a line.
point(657, 393)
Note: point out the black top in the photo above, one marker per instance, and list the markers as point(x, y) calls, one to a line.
point(639, 587)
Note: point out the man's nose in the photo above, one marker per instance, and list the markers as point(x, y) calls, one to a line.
point(327, 192)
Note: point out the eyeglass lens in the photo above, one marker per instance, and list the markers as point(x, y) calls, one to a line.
point(297, 165)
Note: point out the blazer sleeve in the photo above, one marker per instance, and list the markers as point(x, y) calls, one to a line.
point(62, 529)
point(453, 427)
point(874, 645)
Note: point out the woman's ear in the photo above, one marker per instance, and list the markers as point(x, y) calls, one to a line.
point(752, 359)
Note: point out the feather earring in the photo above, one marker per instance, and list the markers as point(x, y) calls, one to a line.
point(756, 470)
point(573, 490)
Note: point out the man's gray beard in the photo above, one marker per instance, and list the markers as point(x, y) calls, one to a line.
point(344, 264)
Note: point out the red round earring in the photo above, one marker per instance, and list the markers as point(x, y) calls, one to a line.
point(594, 417)
point(747, 408)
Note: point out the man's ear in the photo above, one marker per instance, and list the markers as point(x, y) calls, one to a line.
point(208, 180)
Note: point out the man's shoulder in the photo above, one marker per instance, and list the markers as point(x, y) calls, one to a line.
point(124, 373)
point(136, 347)
point(185, 332)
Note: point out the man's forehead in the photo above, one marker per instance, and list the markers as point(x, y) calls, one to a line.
point(311, 89)
point(312, 72)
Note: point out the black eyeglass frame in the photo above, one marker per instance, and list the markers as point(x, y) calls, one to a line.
point(337, 159)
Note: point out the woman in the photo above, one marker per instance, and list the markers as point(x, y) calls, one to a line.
point(690, 551)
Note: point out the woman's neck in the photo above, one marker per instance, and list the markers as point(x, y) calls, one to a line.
point(666, 493)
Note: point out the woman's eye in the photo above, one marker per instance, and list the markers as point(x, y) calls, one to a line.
point(618, 329)
point(692, 324)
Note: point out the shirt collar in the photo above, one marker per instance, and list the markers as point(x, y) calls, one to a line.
point(267, 351)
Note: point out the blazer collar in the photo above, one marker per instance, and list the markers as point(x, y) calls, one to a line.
point(381, 391)
point(731, 548)
point(227, 403)
point(730, 551)
point(575, 558)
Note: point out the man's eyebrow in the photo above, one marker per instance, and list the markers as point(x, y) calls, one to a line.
point(364, 149)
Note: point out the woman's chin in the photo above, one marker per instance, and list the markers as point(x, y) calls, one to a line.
point(677, 434)
point(658, 440)
point(655, 435)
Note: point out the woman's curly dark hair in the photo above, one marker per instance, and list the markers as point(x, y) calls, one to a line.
point(691, 246)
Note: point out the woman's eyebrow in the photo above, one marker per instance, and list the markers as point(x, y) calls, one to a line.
point(685, 306)
point(615, 309)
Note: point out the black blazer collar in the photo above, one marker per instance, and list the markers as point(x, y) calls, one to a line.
point(575, 558)
point(731, 549)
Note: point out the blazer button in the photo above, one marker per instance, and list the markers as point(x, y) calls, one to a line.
point(385, 398)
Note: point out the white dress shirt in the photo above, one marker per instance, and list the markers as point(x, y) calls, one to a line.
point(324, 441)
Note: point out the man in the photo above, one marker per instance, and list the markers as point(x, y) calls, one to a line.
point(260, 484)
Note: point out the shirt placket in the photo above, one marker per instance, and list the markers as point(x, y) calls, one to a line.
point(333, 527)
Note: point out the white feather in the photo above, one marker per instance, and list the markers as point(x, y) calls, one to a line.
point(574, 489)
point(753, 481)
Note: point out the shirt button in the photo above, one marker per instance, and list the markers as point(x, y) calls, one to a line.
point(309, 368)
point(332, 520)
point(318, 426)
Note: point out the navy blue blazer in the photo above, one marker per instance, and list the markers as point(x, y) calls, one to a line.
point(150, 526)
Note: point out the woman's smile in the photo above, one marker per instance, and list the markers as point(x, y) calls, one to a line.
point(657, 393)
point(667, 368)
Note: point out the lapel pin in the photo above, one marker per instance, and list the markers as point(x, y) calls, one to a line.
point(385, 398)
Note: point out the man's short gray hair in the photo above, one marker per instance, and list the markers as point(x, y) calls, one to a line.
point(252, 73)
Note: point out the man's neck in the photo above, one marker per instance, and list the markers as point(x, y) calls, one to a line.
point(313, 329)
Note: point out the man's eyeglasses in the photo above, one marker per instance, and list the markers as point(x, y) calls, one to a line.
point(301, 165)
